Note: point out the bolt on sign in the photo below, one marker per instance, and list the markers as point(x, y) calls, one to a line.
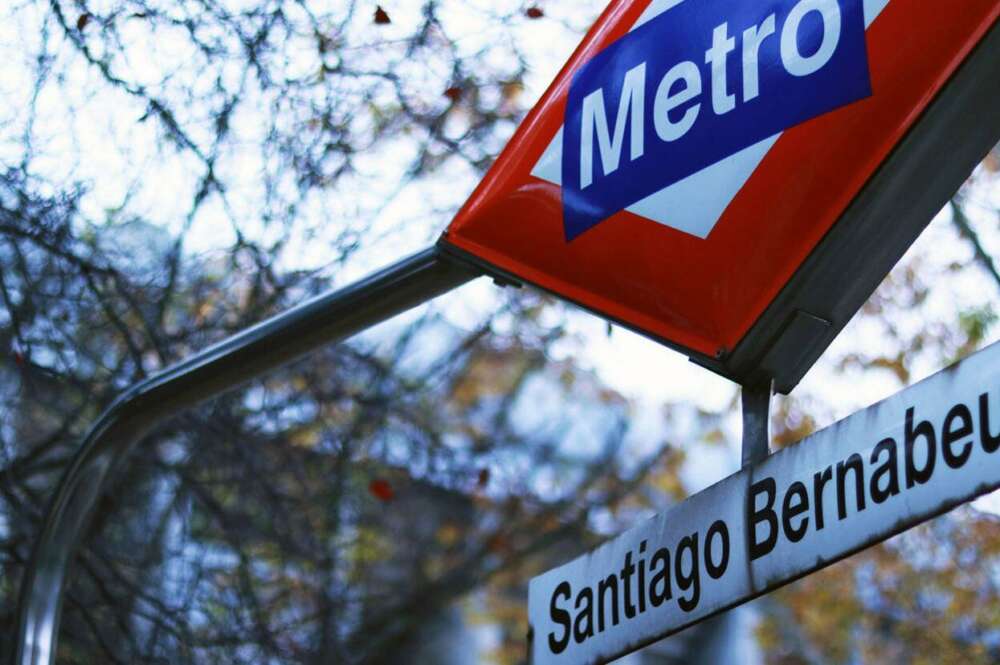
point(866, 478)
point(734, 177)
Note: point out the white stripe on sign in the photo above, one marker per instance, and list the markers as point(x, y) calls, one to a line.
point(693, 205)
point(878, 472)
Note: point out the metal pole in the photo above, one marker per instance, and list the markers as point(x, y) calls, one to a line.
point(756, 422)
point(328, 318)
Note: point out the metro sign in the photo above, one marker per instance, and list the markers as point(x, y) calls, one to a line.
point(734, 177)
point(695, 116)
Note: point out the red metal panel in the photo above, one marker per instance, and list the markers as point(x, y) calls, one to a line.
point(705, 294)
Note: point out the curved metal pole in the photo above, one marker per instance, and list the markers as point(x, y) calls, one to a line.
point(327, 318)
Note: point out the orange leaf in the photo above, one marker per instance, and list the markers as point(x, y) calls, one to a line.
point(992, 161)
point(454, 93)
point(498, 543)
point(82, 22)
point(534, 12)
point(381, 16)
point(381, 489)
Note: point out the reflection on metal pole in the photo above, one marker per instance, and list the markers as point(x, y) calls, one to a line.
point(325, 319)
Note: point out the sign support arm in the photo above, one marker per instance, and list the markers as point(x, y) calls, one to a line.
point(756, 400)
point(328, 318)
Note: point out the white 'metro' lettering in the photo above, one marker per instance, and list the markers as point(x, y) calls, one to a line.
point(790, 55)
point(595, 118)
point(668, 99)
point(682, 86)
point(722, 46)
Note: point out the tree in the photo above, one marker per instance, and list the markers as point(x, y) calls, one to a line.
point(331, 511)
point(174, 172)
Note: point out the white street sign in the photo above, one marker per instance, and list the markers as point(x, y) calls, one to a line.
point(872, 475)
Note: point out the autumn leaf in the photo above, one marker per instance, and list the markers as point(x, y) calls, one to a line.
point(491, 372)
point(976, 323)
point(82, 22)
point(381, 16)
point(512, 90)
point(992, 161)
point(449, 535)
point(534, 12)
point(381, 489)
point(896, 365)
point(498, 543)
point(454, 93)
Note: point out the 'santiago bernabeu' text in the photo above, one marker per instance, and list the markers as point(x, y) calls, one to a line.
point(658, 573)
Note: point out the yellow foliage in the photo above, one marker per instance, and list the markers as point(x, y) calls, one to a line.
point(490, 373)
point(449, 534)
point(370, 546)
point(666, 477)
point(921, 600)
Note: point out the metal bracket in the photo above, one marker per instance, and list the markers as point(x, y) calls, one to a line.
point(756, 401)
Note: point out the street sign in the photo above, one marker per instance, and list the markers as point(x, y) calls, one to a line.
point(870, 476)
point(733, 177)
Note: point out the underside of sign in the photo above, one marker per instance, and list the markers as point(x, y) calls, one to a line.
point(734, 179)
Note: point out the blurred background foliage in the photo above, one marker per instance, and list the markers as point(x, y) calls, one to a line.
point(173, 172)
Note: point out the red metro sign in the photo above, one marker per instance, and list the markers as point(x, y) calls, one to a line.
point(734, 177)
